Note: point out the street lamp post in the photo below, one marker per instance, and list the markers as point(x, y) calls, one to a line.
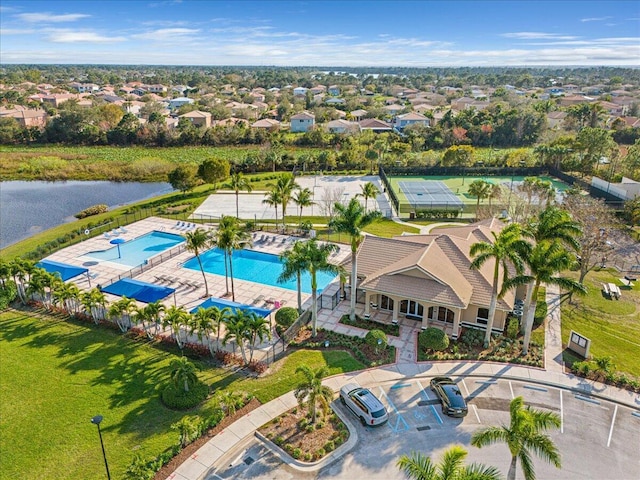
point(96, 421)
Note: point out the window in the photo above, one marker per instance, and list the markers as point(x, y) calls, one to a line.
point(483, 316)
point(386, 303)
point(445, 315)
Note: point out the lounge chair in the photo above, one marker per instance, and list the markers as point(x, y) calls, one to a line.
point(177, 225)
point(107, 235)
point(123, 230)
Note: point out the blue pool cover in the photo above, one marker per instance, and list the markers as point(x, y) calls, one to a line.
point(221, 303)
point(65, 270)
point(145, 292)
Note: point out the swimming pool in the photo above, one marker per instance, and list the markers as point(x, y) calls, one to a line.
point(256, 267)
point(135, 252)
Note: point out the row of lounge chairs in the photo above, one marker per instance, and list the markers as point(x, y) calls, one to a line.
point(169, 279)
point(115, 232)
point(184, 226)
point(272, 239)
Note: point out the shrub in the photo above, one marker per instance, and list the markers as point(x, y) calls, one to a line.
point(309, 428)
point(94, 210)
point(541, 313)
point(320, 453)
point(512, 328)
point(472, 338)
point(297, 453)
point(329, 446)
point(8, 294)
point(433, 339)
point(373, 336)
point(286, 316)
point(178, 399)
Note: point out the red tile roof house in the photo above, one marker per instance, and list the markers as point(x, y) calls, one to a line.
point(268, 123)
point(302, 122)
point(198, 118)
point(26, 117)
point(428, 279)
point(375, 125)
point(411, 118)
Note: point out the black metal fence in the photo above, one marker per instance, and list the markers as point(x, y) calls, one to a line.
point(329, 301)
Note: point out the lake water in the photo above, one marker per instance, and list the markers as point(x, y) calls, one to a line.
point(27, 208)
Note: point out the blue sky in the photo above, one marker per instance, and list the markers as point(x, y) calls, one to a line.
point(321, 33)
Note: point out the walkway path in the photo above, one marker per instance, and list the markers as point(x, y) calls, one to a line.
point(553, 334)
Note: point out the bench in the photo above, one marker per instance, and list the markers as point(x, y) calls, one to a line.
point(605, 288)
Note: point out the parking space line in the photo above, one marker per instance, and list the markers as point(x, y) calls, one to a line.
point(433, 408)
point(534, 387)
point(587, 399)
point(636, 414)
point(400, 385)
point(475, 410)
point(395, 429)
point(465, 388)
point(561, 414)
point(511, 388)
point(487, 382)
point(613, 420)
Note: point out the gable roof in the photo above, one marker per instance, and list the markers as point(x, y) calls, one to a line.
point(374, 124)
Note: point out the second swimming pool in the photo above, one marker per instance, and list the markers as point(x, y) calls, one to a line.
point(256, 267)
point(138, 250)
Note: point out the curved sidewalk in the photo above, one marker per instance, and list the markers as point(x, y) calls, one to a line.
point(205, 459)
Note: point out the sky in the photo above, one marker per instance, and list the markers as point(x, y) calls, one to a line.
point(322, 33)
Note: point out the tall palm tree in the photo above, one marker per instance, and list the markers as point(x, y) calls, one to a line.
point(311, 392)
point(273, 199)
point(177, 318)
point(40, 282)
point(21, 271)
point(368, 190)
point(545, 261)
point(95, 302)
point(316, 257)
point(198, 241)
point(506, 250)
point(201, 323)
point(258, 331)
point(302, 198)
point(67, 294)
point(294, 263)
point(479, 189)
point(524, 435)
point(183, 373)
point(550, 224)
point(229, 237)
point(352, 219)
point(285, 186)
point(420, 467)
point(238, 182)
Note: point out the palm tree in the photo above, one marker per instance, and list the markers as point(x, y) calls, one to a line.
point(552, 223)
point(176, 318)
point(39, 282)
point(197, 241)
point(231, 236)
point(67, 294)
point(419, 467)
point(524, 435)
point(479, 189)
point(273, 199)
point(302, 198)
point(183, 373)
point(311, 392)
point(506, 250)
point(258, 331)
point(285, 186)
point(316, 258)
point(545, 261)
point(201, 323)
point(121, 311)
point(238, 182)
point(368, 190)
point(94, 302)
point(293, 264)
point(352, 219)
point(236, 329)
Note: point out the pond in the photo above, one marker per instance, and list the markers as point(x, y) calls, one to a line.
point(27, 208)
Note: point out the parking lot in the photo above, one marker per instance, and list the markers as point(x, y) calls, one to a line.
point(597, 439)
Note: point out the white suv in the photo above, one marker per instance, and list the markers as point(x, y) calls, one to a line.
point(364, 404)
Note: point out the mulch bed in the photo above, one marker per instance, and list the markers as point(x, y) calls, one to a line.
point(313, 443)
point(190, 449)
point(369, 351)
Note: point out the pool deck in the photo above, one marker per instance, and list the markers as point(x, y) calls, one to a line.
point(189, 284)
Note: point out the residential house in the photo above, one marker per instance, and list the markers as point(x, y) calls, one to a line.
point(84, 87)
point(428, 279)
point(246, 110)
point(464, 103)
point(176, 103)
point(374, 125)
point(267, 123)
point(302, 122)
point(358, 115)
point(198, 118)
point(393, 109)
point(157, 88)
point(57, 99)
point(411, 118)
point(300, 91)
point(334, 90)
point(613, 109)
point(575, 100)
point(341, 126)
point(318, 89)
point(26, 117)
point(556, 119)
point(335, 101)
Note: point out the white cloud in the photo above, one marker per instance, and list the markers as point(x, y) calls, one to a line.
point(595, 19)
point(167, 34)
point(537, 36)
point(50, 17)
point(71, 36)
point(16, 31)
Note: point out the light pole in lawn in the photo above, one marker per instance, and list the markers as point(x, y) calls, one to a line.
point(96, 421)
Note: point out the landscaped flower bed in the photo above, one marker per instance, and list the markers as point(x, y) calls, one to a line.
point(359, 348)
point(470, 347)
point(293, 432)
point(359, 322)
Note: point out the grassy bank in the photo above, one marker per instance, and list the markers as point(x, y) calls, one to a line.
point(56, 375)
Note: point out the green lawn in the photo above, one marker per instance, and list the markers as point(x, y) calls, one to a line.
point(56, 375)
point(612, 325)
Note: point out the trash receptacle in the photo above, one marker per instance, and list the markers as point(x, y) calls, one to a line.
point(412, 215)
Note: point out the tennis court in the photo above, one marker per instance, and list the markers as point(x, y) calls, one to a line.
point(430, 194)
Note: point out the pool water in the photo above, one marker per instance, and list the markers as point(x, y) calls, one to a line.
point(256, 267)
point(135, 252)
